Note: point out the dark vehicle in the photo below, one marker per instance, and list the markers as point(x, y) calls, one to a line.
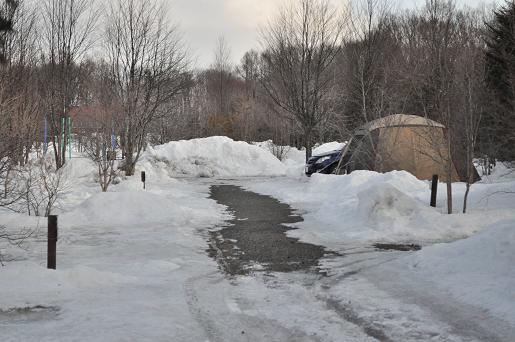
point(323, 163)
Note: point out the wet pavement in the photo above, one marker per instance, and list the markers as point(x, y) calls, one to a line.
point(255, 240)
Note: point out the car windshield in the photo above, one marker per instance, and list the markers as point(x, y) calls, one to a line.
point(323, 159)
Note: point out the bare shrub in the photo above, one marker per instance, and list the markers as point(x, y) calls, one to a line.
point(279, 151)
point(16, 239)
point(104, 158)
point(40, 185)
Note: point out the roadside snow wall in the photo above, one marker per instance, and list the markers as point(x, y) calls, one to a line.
point(212, 157)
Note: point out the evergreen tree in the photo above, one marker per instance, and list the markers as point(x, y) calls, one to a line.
point(498, 131)
point(6, 25)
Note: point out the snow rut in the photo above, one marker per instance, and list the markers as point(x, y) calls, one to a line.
point(222, 321)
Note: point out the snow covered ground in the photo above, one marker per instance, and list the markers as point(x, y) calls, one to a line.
point(478, 270)
point(132, 264)
point(123, 257)
point(469, 256)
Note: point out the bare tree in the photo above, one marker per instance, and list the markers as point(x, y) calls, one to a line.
point(19, 100)
point(148, 67)
point(100, 143)
point(368, 53)
point(433, 74)
point(68, 27)
point(22, 54)
point(220, 83)
point(471, 86)
point(300, 45)
point(223, 68)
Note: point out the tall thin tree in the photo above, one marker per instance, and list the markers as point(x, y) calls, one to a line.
point(300, 46)
point(148, 65)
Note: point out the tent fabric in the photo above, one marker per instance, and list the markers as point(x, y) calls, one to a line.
point(401, 120)
point(400, 142)
point(419, 150)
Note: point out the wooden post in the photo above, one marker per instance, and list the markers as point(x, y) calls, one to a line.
point(143, 178)
point(434, 190)
point(52, 242)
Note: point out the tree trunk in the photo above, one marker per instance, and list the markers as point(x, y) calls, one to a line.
point(470, 175)
point(129, 163)
point(449, 182)
point(63, 139)
point(449, 168)
point(6, 182)
point(57, 155)
point(309, 144)
point(465, 198)
point(449, 196)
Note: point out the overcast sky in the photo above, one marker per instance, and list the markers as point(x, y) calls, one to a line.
point(203, 21)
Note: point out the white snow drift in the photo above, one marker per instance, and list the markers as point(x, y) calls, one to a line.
point(478, 270)
point(213, 157)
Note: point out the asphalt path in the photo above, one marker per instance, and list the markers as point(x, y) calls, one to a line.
point(256, 240)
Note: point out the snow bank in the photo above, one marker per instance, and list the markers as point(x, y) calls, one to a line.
point(169, 201)
point(213, 157)
point(366, 207)
point(125, 208)
point(478, 270)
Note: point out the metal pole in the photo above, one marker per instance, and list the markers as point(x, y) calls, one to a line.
point(434, 190)
point(69, 137)
point(52, 242)
point(61, 150)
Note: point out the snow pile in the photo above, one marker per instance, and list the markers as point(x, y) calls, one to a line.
point(385, 205)
point(367, 207)
point(126, 208)
point(213, 157)
point(478, 270)
point(167, 201)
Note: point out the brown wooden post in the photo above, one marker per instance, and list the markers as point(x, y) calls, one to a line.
point(143, 178)
point(52, 241)
point(434, 190)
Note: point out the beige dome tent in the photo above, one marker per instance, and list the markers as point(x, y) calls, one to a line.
point(399, 142)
